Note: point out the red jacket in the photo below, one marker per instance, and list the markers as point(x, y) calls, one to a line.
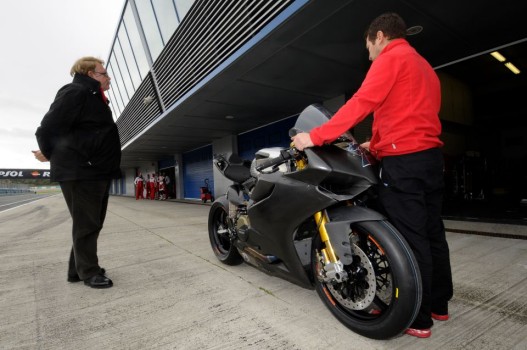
point(404, 94)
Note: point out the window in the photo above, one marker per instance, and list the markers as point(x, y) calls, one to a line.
point(116, 111)
point(117, 85)
point(150, 27)
point(129, 57)
point(166, 17)
point(135, 42)
point(123, 68)
point(182, 7)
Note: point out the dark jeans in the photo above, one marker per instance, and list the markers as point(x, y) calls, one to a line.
point(411, 193)
point(87, 202)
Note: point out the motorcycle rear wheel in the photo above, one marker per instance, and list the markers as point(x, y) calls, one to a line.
point(383, 294)
point(219, 235)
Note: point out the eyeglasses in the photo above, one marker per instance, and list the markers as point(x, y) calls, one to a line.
point(102, 73)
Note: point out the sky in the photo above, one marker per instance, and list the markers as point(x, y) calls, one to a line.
point(40, 40)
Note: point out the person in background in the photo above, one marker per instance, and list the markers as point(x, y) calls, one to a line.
point(147, 186)
point(139, 182)
point(161, 187)
point(152, 186)
point(403, 92)
point(80, 139)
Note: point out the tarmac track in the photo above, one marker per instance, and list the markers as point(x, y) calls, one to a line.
point(16, 200)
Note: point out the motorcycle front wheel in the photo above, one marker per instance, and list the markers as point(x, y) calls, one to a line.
point(382, 294)
point(219, 234)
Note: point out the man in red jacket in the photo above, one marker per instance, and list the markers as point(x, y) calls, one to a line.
point(403, 92)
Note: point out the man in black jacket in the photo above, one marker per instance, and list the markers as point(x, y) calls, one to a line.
point(80, 139)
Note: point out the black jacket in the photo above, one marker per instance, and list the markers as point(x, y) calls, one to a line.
point(78, 134)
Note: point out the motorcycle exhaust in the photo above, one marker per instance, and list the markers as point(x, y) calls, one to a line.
point(268, 259)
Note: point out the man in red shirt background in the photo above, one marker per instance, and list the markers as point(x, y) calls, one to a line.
point(403, 92)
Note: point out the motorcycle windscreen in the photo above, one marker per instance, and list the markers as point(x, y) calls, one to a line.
point(311, 117)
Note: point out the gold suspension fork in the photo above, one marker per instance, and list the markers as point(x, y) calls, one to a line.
point(329, 254)
point(332, 269)
point(321, 219)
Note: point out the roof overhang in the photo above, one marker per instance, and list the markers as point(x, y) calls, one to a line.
point(319, 53)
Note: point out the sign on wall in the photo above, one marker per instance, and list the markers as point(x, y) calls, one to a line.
point(24, 174)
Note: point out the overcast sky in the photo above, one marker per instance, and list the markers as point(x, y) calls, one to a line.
point(41, 39)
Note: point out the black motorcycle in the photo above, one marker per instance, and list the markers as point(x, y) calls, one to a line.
point(302, 216)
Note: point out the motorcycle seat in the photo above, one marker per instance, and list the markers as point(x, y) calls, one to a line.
point(238, 170)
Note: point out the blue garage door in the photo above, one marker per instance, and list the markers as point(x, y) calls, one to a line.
point(197, 166)
point(273, 135)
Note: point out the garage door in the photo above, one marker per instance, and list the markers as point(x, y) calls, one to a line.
point(273, 135)
point(197, 167)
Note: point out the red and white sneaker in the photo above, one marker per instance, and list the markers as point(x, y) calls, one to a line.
point(375, 312)
point(419, 333)
point(440, 317)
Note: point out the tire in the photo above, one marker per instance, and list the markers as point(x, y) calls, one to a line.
point(382, 299)
point(219, 234)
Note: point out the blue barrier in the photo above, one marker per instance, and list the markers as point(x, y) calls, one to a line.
point(12, 191)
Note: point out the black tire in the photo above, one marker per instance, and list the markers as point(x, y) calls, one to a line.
point(220, 239)
point(383, 299)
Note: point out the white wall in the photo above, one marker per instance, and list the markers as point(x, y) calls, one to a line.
point(146, 167)
point(129, 175)
point(180, 188)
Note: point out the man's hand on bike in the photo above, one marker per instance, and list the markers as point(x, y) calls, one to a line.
point(302, 141)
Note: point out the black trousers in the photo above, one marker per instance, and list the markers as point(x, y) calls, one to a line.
point(411, 193)
point(87, 202)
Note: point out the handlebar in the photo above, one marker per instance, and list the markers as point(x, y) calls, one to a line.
point(266, 163)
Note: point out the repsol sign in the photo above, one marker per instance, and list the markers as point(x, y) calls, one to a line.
point(24, 174)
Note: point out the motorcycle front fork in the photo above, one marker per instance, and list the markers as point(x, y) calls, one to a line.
point(332, 269)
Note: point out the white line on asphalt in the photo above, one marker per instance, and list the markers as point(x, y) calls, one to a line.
point(21, 205)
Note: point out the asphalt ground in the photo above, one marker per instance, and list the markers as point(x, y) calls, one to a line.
point(170, 292)
point(15, 200)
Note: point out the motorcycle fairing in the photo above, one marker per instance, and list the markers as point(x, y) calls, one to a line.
point(331, 176)
point(353, 214)
point(235, 194)
point(275, 218)
point(331, 165)
point(264, 189)
point(332, 173)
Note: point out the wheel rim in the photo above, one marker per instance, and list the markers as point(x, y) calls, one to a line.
point(358, 294)
point(384, 285)
point(220, 232)
point(368, 293)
